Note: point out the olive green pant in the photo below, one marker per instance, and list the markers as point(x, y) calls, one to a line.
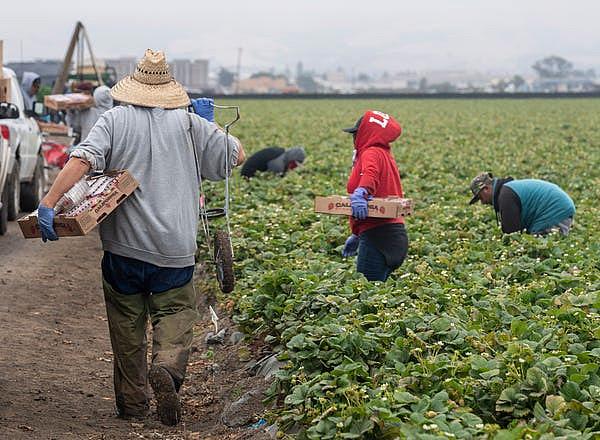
point(172, 314)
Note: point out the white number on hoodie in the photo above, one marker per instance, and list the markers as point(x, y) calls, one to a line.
point(385, 118)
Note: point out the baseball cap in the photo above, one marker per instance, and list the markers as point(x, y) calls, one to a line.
point(353, 129)
point(478, 183)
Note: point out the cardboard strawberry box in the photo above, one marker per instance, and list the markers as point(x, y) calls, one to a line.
point(104, 197)
point(53, 128)
point(76, 101)
point(389, 207)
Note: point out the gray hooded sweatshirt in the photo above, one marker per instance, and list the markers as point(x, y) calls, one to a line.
point(82, 121)
point(158, 223)
point(279, 165)
point(26, 82)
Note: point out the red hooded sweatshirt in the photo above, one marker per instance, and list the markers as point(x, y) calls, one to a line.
point(374, 166)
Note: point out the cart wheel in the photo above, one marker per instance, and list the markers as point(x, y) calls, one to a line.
point(224, 261)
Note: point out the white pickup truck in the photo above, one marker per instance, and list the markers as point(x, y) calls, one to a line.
point(22, 171)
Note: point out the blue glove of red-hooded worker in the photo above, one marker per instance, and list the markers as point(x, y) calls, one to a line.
point(46, 223)
point(351, 246)
point(205, 108)
point(359, 203)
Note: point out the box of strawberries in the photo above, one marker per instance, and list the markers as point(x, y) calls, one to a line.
point(86, 205)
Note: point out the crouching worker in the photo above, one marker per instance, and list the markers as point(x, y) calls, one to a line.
point(149, 242)
point(274, 159)
point(381, 243)
point(537, 206)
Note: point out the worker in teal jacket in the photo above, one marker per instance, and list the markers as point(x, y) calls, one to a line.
point(537, 206)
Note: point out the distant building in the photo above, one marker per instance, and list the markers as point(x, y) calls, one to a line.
point(198, 75)
point(265, 84)
point(299, 69)
point(123, 66)
point(574, 84)
point(336, 76)
point(460, 78)
point(47, 69)
point(192, 74)
point(181, 70)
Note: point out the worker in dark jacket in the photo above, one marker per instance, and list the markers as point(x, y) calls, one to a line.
point(537, 206)
point(381, 243)
point(274, 159)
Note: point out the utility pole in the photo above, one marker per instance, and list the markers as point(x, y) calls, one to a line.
point(239, 70)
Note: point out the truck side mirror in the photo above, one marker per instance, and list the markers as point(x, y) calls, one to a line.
point(8, 110)
point(39, 108)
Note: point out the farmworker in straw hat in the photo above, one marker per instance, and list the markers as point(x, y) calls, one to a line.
point(537, 206)
point(381, 243)
point(149, 242)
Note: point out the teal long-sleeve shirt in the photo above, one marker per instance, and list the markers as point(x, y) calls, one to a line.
point(543, 204)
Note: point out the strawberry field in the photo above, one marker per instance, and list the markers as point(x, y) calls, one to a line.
point(477, 335)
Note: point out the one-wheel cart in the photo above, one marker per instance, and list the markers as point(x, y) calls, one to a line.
point(219, 243)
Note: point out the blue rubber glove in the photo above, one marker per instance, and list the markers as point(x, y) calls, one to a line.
point(46, 223)
point(351, 246)
point(358, 203)
point(205, 108)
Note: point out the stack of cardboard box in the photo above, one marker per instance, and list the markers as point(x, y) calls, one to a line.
point(4, 82)
point(69, 101)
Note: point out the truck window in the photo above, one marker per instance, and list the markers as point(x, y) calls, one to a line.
point(15, 93)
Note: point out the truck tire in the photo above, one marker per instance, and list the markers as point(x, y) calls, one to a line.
point(14, 192)
point(4, 211)
point(33, 192)
point(224, 261)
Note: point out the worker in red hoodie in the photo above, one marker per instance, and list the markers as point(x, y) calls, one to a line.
point(381, 243)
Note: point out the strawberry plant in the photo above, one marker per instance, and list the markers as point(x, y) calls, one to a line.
point(478, 334)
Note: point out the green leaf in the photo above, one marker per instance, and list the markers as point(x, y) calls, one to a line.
point(471, 419)
point(441, 324)
point(577, 420)
point(594, 392)
point(555, 404)
point(404, 397)
point(518, 327)
point(359, 427)
point(491, 373)
point(539, 412)
point(298, 395)
point(297, 342)
point(571, 391)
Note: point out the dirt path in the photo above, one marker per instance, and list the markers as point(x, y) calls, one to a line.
point(55, 358)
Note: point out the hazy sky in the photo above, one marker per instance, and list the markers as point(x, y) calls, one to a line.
point(367, 36)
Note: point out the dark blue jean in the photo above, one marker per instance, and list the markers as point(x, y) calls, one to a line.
point(371, 262)
point(129, 276)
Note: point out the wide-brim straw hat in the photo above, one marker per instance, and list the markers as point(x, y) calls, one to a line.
point(151, 85)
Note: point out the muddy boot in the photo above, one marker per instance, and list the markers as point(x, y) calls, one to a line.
point(121, 413)
point(167, 400)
